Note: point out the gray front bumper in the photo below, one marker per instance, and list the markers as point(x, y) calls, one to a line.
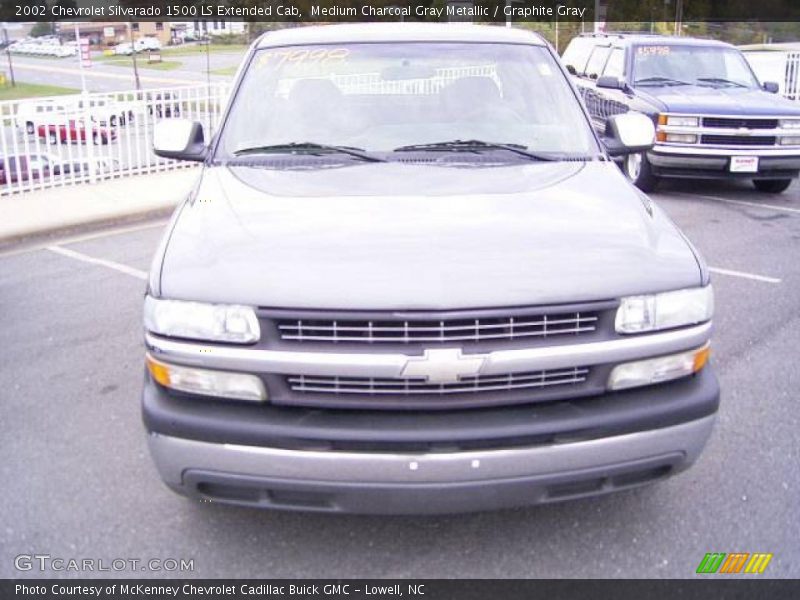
point(667, 158)
point(373, 482)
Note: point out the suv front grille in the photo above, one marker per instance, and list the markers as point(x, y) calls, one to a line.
point(438, 331)
point(407, 387)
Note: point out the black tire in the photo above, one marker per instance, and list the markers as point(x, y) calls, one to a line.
point(638, 170)
point(772, 186)
point(29, 128)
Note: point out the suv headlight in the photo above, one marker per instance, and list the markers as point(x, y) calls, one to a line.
point(198, 321)
point(638, 314)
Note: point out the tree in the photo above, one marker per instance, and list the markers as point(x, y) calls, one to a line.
point(41, 28)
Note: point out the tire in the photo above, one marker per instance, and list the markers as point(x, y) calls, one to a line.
point(772, 186)
point(29, 128)
point(53, 138)
point(637, 169)
point(113, 121)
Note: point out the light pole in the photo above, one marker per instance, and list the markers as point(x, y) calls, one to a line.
point(133, 55)
point(8, 55)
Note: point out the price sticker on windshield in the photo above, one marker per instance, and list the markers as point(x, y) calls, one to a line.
point(653, 50)
point(307, 56)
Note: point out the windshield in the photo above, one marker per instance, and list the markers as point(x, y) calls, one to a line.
point(382, 98)
point(696, 65)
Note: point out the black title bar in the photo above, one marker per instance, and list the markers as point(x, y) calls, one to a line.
point(421, 589)
point(486, 11)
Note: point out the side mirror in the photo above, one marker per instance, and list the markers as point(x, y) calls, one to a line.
point(629, 133)
point(611, 83)
point(180, 139)
point(771, 86)
point(571, 70)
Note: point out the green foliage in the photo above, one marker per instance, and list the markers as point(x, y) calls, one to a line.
point(41, 28)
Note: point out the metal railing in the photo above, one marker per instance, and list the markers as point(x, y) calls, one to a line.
point(66, 140)
point(780, 67)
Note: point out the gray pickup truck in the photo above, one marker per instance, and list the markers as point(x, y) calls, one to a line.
point(411, 279)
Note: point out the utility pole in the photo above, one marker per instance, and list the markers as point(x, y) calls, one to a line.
point(207, 42)
point(8, 55)
point(133, 55)
point(80, 57)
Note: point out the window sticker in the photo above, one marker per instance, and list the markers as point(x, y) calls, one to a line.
point(653, 50)
point(299, 56)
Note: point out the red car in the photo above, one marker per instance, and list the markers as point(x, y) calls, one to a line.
point(75, 131)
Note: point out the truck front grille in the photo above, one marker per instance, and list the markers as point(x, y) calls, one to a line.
point(438, 331)
point(738, 123)
point(739, 140)
point(408, 387)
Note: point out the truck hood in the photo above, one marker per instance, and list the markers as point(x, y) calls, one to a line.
point(704, 100)
point(411, 236)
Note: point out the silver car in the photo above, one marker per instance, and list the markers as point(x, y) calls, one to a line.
point(410, 279)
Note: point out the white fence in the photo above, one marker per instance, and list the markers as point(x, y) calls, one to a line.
point(780, 67)
point(64, 140)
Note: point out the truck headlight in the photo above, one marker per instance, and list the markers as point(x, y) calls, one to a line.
point(207, 382)
point(658, 370)
point(638, 314)
point(682, 121)
point(198, 321)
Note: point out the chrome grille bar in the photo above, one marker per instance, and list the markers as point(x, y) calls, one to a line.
point(372, 386)
point(437, 331)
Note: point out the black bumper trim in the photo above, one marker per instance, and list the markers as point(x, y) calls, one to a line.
point(307, 428)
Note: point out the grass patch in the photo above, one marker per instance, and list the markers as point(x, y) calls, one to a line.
point(201, 49)
point(164, 65)
point(32, 90)
point(225, 71)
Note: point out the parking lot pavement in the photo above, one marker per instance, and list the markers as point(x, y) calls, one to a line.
point(78, 482)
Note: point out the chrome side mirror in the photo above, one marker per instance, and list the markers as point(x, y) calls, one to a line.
point(180, 139)
point(628, 133)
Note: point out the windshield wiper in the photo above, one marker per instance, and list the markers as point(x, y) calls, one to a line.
point(661, 81)
point(474, 146)
point(721, 80)
point(309, 148)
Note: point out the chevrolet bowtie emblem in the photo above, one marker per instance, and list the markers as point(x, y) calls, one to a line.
point(445, 365)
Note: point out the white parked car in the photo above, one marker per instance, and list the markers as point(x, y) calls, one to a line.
point(147, 43)
point(124, 49)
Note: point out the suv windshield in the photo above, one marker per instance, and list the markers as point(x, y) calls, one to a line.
point(381, 98)
point(657, 65)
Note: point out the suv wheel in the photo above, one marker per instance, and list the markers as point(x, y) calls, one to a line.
point(638, 170)
point(772, 186)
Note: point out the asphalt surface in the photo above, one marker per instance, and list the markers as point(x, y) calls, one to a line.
point(104, 77)
point(77, 480)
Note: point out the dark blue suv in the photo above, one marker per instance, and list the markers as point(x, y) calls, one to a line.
point(714, 119)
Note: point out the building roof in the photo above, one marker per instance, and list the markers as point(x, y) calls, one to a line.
point(398, 32)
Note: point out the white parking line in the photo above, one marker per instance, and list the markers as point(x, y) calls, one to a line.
point(752, 276)
point(75, 239)
point(99, 261)
point(740, 202)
